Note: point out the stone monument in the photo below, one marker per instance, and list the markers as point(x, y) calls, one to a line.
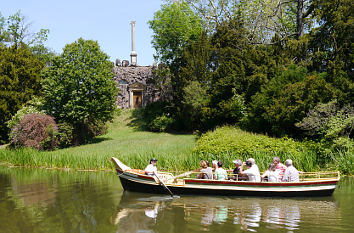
point(133, 55)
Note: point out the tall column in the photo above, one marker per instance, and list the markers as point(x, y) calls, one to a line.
point(133, 55)
point(131, 95)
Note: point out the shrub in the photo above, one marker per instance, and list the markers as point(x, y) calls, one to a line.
point(332, 124)
point(65, 135)
point(234, 109)
point(161, 123)
point(227, 143)
point(195, 100)
point(156, 117)
point(329, 121)
point(31, 107)
point(36, 131)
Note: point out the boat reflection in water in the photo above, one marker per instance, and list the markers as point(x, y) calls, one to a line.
point(148, 213)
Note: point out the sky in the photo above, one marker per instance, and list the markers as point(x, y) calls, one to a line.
point(106, 21)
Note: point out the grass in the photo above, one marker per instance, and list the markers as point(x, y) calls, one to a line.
point(127, 141)
point(123, 140)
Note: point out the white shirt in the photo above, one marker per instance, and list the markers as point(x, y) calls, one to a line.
point(151, 169)
point(291, 174)
point(256, 167)
point(272, 176)
point(253, 174)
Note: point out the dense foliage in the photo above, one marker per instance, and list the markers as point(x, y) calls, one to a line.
point(286, 99)
point(174, 25)
point(264, 76)
point(35, 130)
point(22, 57)
point(268, 67)
point(19, 82)
point(229, 143)
point(78, 89)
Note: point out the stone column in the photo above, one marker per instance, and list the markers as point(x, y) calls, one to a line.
point(131, 99)
point(133, 55)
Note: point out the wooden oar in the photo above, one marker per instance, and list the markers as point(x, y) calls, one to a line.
point(163, 184)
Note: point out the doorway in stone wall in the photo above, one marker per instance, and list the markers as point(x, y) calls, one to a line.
point(137, 99)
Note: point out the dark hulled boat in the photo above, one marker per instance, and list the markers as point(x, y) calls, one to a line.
point(136, 180)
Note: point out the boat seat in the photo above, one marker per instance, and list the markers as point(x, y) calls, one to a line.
point(136, 171)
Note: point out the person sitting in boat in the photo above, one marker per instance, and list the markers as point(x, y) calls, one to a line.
point(214, 164)
point(254, 164)
point(151, 169)
point(236, 171)
point(251, 172)
point(271, 174)
point(291, 174)
point(220, 173)
point(205, 172)
point(279, 167)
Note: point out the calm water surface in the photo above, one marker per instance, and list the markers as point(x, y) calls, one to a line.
point(34, 200)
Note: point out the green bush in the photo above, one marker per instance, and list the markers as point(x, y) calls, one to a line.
point(65, 135)
point(32, 106)
point(161, 123)
point(228, 143)
point(156, 117)
point(329, 121)
point(195, 100)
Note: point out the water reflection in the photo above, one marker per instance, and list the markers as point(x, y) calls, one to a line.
point(137, 214)
point(55, 201)
point(35, 200)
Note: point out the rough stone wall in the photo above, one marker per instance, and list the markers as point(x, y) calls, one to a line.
point(125, 76)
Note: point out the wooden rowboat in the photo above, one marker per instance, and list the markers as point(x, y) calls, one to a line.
point(311, 184)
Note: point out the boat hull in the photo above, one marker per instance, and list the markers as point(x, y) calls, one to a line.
point(137, 183)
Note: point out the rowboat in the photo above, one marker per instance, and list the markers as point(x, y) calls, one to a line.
point(310, 184)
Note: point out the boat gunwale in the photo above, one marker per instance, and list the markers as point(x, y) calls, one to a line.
point(186, 181)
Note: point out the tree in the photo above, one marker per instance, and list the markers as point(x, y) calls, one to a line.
point(286, 99)
point(78, 88)
point(174, 25)
point(329, 121)
point(15, 31)
point(263, 18)
point(19, 82)
point(331, 45)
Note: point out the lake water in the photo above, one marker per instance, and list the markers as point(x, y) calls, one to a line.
point(38, 200)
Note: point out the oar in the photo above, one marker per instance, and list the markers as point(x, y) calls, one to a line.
point(163, 184)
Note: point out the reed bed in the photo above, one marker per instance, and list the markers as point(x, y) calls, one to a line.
point(132, 146)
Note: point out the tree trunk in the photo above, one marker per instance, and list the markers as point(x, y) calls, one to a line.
point(300, 19)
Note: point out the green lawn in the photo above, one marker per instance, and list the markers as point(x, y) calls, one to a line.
point(124, 141)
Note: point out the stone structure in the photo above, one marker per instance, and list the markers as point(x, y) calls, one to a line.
point(135, 83)
point(125, 63)
point(136, 86)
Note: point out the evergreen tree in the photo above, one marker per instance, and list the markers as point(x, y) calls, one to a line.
point(19, 82)
point(286, 99)
point(240, 69)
